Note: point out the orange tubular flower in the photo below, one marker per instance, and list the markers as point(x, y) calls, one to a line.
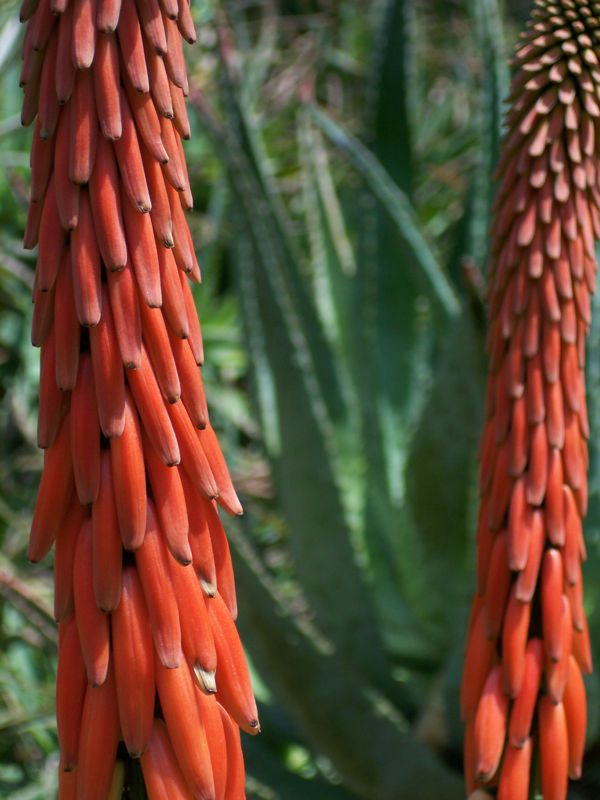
point(528, 641)
point(149, 654)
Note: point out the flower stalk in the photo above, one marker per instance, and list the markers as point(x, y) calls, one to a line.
point(150, 664)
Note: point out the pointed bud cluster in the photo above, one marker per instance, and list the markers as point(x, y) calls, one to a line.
point(149, 653)
point(528, 642)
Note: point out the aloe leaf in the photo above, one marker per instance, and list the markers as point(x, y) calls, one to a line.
point(332, 255)
point(294, 378)
point(306, 484)
point(399, 208)
point(280, 255)
point(441, 472)
point(266, 770)
point(368, 743)
point(9, 37)
point(396, 332)
point(393, 88)
point(489, 37)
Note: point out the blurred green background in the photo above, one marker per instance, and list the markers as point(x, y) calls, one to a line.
point(340, 162)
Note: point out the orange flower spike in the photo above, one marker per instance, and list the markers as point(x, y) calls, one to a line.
point(129, 158)
point(469, 755)
point(108, 14)
point(134, 665)
point(152, 560)
point(182, 251)
point(573, 535)
point(199, 535)
point(108, 372)
point(71, 685)
point(554, 507)
point(67, 192)
point(152, 25)
point(497, 586)
point(65, 69)
point(85, 434)
point(156, 339)
point(552, 608)
point(42, 151)
point(582, 650)
point(160, 213)
point(28, 9)
point(478, 662)
point(173, 302)
point(129, 479)
point(227, 497)
point(187, 200)
point(106, 85)
point(217, 741)
point(222, 557)
point(67, 783)
point(192, 386)
point(174, 178)
point(236, 782)
point(159, 82)
point(48, 108)
point(106, 207)
point(107, 548)
point(177, 694)
point(554, 749)
point(557, 671)
point(515, 632)
point(51, 241)
point(151, 407)
point(520, 521)
point(185, 23)
point(92, 623)
point(98, 740)
point(54, 495)
point(234, 690)
point(147, 123)
point(123, 293)
point(193, 459)
point(193, 321)
point(132, 47)
point(542, 272)
point(142, 253)
point(514, 776)
point(490, 726)
point(527, 579)
point(196, 636)
point(122, 401)
point(51, 399)
point(84, 128)
point(43, 315)
point(84, 32)
point(85, 263)
point(162, 774)
point(64, 555)
point(169, 499)
point(174, 59)
point(180, 119)
point(31, 97)
point(170, 8)
point(574, 701)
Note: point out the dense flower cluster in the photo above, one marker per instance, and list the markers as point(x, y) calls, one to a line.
point(528, 641)
point(148, 649)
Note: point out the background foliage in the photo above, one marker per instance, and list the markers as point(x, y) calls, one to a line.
point(341, 164)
